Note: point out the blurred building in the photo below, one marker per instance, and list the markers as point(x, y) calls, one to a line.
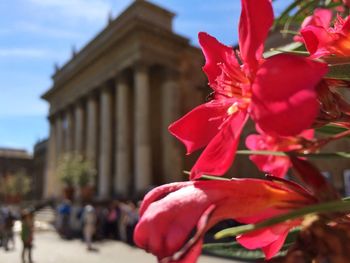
point(14, 160)
point(112, 102)
point(14, 165)
point(39, 165)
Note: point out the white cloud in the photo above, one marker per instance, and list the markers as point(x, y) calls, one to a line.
point(90, 10)
point(35, 53)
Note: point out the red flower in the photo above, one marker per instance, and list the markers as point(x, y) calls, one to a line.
point(322, 41)
point(270, 240)
point(278, 93)
point(171, 212)
point(273, 164)
point(321, 18)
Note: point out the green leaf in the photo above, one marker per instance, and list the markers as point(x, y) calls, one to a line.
point(305, 8)
point(331, 129)
point(232, 250)
point(339, 71)
point(286, 12)
point(329, 207)
point(292, 48)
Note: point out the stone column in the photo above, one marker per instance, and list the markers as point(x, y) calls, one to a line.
point(50, 169)
point(79, 128)
point(91, 130)
point(172, 160)
point(142, 129)
point(105, 161)
point(122, 156)
point(59, 136)
point(69, 132)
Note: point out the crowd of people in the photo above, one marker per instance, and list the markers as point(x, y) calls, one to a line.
point(113, 220)
point(8, 216)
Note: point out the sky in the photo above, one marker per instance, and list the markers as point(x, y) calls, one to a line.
point(37, 34)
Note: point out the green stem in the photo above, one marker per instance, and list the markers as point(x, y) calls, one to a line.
point(335, 206)
point(289, 32)
point(209, 177)
point(310, 155)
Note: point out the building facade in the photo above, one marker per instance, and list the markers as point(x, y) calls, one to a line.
point(113, 101)
point(15, 164)
point(39, 165)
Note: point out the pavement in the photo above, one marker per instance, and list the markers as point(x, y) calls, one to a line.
point(50, 248)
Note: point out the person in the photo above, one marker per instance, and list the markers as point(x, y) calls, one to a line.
point(63, 219)
point(112, 221)
point(2, 226)
point(131, 218)
point(89, 220)
point(8, 230)
point(27, 234)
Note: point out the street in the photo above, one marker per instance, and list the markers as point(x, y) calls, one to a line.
point(50, 248)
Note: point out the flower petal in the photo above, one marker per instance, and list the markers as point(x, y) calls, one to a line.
point(159, 193)
point(192, 255)
point(275, 165)
point(321, 17)
point(215, 53)
point(156, 231)
point(199, 126)
point(284, 100)
point(218, 156)
point(256, 20)
point(191, 251)
point(270, 239)
point(170, 213)
point(266, 163)
point(316, 40)
point(273, 248)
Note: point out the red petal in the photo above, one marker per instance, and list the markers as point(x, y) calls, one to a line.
point(156, 231)
point(159, 193)
point(218, 156)
point(256, 20)
point(274, 165)
point(199, 126)
point(260, 238)
point(321, 17)
point(346, 2)
point(192, 249)
point(316, 40)
point(308, 134)
point(273, 248)
point(215, 53)
point(171, 212)
point(269, 239)
point(284, 100)
point(192, 255)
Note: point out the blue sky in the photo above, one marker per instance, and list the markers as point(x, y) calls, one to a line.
point(36, 34)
